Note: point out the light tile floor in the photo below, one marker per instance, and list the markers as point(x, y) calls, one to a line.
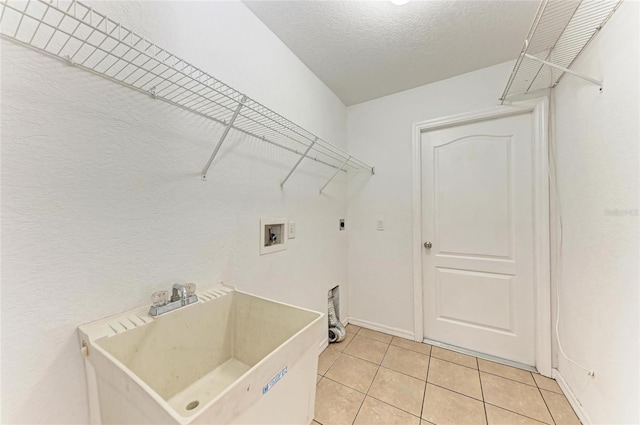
point(372, 378)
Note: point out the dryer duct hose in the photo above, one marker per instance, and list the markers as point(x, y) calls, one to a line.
point(337, 332)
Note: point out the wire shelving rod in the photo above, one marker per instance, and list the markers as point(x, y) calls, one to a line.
point(559, 33)
point(76, 33)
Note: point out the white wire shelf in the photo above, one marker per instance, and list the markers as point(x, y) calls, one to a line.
point(559, 33)
point(76, 33)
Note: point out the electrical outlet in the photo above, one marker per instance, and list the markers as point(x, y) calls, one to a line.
point(380, 223)
point(292, 230)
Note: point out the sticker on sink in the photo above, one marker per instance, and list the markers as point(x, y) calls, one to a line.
point(275, 380)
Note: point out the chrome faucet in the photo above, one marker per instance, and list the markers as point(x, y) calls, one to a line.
point(181, 295)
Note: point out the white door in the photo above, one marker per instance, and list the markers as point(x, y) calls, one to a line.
point(477, 203)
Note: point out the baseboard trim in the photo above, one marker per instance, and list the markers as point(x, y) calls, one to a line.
point(381, 328)
point(573, 400)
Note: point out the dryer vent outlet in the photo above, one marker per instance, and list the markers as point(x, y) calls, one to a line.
point(337, 332)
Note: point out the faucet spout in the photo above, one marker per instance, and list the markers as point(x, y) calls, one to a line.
point(179, 293)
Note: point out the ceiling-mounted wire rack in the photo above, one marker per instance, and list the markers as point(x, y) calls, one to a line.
point(559, 33)
point(76, 33)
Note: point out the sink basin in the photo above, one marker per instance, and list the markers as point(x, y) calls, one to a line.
point(230, 358)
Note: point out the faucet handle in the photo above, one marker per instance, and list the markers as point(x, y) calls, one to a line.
point(191, 288)
point(160, 298)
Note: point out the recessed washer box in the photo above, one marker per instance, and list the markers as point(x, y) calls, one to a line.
point(273, 235)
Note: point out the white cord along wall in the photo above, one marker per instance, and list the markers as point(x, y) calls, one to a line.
point(557, 247)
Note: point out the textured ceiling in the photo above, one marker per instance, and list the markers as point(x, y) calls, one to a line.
point(367, 49)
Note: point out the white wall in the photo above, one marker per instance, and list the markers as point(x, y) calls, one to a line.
point(597, 144)
point(597, 148)
point(381, 262)
point(102, 203)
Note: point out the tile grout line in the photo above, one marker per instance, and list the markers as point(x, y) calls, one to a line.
point(373, 339)
point(504, 408)
point(395, 407)
point(411, 349)
point(360, 358)
point(491, 373)
point(535, 385)
point(340, 352)
point(456, 392)
point(545, 403)
point(351, 340)
point(479, 371)
point(519, 414)
point(385, 354)
point(563, 396)
point(402, 373)
point(449, 361)
point(387, 367)
point(424, 394)
point(374, 378)
point(344, 385)
point(332, 363)
point(504, 377)
point(378, 366)
point(378, 369)
point(323, 376)
point(484, 404)
point(382, 401)
point(391, 342)
point(547, 389)
point(406, 374)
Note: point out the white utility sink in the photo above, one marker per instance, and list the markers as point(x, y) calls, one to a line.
point(230, 358)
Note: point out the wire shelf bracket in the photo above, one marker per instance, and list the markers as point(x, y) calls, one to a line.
point(304, 155)
point(563, 69)
point(222, 137)
point(560, 32)
point(334, 175)
point(74, 32)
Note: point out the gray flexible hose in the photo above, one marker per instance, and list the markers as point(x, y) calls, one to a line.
point(337, 332)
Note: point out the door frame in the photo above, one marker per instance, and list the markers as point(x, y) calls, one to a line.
point(542, 275)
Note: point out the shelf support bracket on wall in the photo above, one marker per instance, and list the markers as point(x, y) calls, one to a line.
point(108, 49)
point(335, 174)
point(559, 34)
point(563, 69)
point(224, 136)
point(304, 155)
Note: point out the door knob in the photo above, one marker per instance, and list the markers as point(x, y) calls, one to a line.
point(427, 245)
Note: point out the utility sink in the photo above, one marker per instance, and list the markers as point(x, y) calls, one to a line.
point(230, 358)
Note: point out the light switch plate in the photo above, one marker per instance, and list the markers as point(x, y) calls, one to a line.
point(380, 223)
point(292, 230)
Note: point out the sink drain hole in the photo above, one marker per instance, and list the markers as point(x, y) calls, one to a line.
point(193, 405)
